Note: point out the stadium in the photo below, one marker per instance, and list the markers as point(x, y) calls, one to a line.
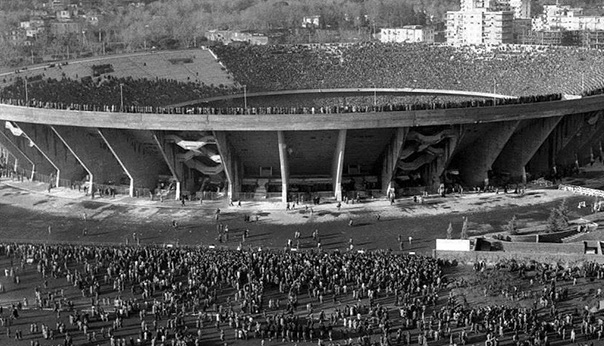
point(301, 122)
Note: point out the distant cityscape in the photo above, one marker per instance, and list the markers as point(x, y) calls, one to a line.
point(60, 29)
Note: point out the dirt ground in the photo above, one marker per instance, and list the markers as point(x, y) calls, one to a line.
point(28, 212)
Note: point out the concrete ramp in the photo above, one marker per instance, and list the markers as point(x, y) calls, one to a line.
point(203, 168)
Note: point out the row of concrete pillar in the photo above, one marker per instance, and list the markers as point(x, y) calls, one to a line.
point(474, 149)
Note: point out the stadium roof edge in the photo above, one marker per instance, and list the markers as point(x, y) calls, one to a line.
point(300, 122)
point(354, 91)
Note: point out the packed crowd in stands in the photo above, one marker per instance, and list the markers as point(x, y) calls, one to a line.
point(508, 70)
point(532, 74)
point(100, 93)
point(190, 296)
point(335, 109)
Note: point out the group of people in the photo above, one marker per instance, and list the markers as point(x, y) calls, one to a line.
point(107, 93)
point(533, 75)
point(508, 70)
point(180, 295)
point(187, 296)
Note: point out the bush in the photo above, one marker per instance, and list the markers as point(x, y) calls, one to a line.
point(558, 218)
point(464, 229)
point(512, 226)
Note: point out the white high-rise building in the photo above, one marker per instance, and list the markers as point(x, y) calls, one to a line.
point(521, 8)
point(487, 22)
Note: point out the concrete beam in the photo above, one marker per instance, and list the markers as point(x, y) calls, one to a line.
point(142, 165)
point(92, 153)
point(284, 164)
point(287, 122)
point(589, 135)
point(231, 164)
point(82, 163)
point(523, 145)
point(437, 168)
point(563, 134)
point(476, 160)
point(48, 142)
point(392, 155)
point(167, 150)
point(117, 157)
point(338, 165)
point(17, 153)
point(28, 135)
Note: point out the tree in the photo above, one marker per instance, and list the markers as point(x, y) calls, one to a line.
point(512, 227)
point(464, 228)
point(450, 231)
point(558, 218)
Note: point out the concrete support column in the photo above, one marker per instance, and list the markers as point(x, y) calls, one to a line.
point(53, 147)
point(17, 153)
point(91, 151)
point(230, 162)
point(30, 134)
point(523, 145)
point(167, 151)
point(391, 158)
point(437, 167)
point(476, 160)
point(591, 124)
point(284, 163)
point(129, 147)
point(338, 165)
point(112, 149)
point(90, 175)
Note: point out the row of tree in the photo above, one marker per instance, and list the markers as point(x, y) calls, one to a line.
point(557, 221)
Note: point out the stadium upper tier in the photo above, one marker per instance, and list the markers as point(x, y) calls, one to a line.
point(141, 80)
point(508, 70)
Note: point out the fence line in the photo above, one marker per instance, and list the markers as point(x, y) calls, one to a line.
point(585, 191)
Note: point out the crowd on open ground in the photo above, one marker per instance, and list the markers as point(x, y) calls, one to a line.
point(532, 74)
point(191, 296)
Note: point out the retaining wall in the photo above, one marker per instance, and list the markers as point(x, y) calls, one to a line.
point(492, 257)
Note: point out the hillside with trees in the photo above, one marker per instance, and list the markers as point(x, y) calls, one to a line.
point(130, 26)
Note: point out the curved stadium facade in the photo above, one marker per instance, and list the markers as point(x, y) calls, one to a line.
point(278, 152)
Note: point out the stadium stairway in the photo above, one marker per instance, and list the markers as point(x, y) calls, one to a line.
point(203, 168)
point(261, 190)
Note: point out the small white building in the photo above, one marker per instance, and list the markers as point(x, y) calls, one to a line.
point(408, 33)
point(311, 21)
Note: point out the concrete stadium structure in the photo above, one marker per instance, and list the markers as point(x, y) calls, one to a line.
point(277, 155)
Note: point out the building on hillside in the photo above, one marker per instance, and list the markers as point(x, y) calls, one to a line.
point(593, 39)
point(552, 38)
point(62, 28)
point(15, 36)
point(32, 27)
point(63, 15)
point(479, 26)
point(408, 33)
point(556, 17)
point(497, 27)
point(311, 21)
point(230, 37)
point(520, 28)
point(520, 8)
